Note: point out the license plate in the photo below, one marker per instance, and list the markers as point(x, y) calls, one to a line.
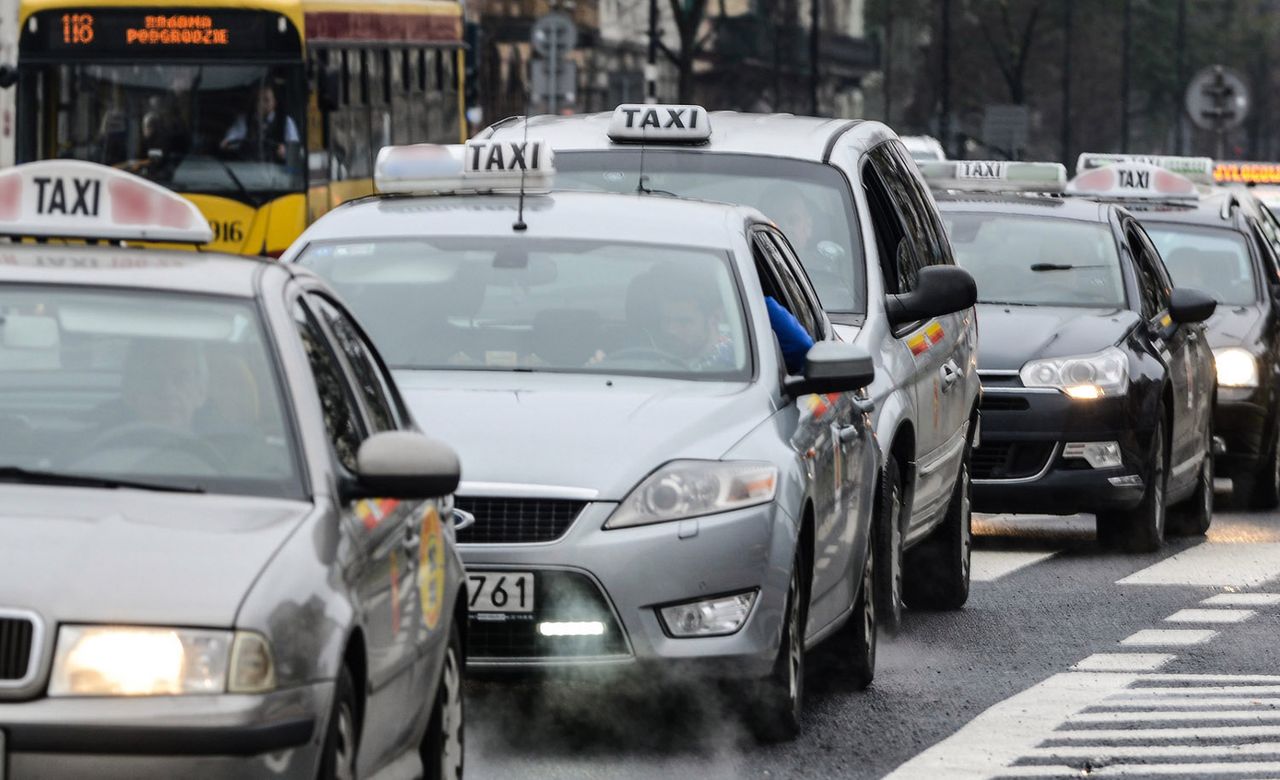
point(500, 591)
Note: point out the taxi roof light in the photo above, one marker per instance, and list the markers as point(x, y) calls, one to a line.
point(1132, 181)
point(75, 199)
point(1198, 170)
point(994, 175)
point(476, 167)
point(656, 123)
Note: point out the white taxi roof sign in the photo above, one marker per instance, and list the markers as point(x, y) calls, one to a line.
point(1133, 181)
point(1199, 170)
point(476, 167)
point(993, 175)
point(659, 123)
point(76, 199)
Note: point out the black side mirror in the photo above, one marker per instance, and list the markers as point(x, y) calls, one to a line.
point(832, 367)
point(940, 289)
point(329, 87)
point(8, 76)
point(1191, 305)
point(400, 464)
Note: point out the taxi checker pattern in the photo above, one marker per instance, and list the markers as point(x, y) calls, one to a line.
point(290, 589)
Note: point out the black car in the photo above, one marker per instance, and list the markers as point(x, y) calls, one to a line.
point(1227, 244)
point(1097, 379)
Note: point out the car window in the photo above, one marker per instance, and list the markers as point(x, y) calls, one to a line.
point(1212, 260)
point(373, 387)
point(795, 271)
point(1155, 295)
point(341, 413)
point(932, 245)
point(1038, 261)
point(793, 299)
point(903, 199)
point(163, 388)
point(897, 270)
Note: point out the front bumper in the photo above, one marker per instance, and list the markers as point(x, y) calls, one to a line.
point(1241, 418)
point(276, 735)
point(1020, 467)
point(620, 576)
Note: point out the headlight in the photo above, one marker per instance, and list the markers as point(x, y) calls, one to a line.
point(690, 488)
point(145, 661)
point(1084, 377)
point(1236, 367)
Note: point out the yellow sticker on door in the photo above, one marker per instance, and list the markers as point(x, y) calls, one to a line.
point(431, 569)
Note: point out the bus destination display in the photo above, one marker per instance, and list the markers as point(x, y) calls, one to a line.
point(107, 31)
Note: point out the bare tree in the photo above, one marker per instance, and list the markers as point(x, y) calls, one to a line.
point(689, 16)
point(1013, 45)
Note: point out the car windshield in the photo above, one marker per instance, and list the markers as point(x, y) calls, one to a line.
point(1036, 261)
point(502, 304)
point(157, 388)
point(1212, 260)
point(221, 129)
point(808, 200)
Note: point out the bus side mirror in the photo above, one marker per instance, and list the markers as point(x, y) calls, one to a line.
point(8, 76)
point(329, 83)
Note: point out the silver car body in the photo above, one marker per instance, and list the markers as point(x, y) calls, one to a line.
point(324, 583)
point(926, 400)
point(534, 436)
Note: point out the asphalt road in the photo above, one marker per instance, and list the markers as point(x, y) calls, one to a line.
point(1064, 663)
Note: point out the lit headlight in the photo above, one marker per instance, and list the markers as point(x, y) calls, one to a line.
point(145, 661)
point(690, 488)
point(1084, 376)
point(1236, 367)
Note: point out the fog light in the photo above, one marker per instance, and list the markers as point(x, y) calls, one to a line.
point(1098, 454)
point(1130, 481)
point(571, 628)
point(713, 617)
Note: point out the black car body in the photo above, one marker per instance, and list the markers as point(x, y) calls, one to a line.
point(1080, 278)
point(1228, 244)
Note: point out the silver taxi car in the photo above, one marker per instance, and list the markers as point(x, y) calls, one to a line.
point(868, 233)
point(224, 547)
point(652, 484)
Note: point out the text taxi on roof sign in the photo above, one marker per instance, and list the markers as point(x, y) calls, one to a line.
point(994, 175)
point(73, 199)
point(1197, 170)
point(851, 201)
point(1133, 181)
point(477, 167)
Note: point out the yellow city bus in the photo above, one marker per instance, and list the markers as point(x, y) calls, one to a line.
point(265, 113)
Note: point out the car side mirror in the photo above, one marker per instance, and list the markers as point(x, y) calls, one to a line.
point(940, 289)
point(404, 465)
point(329, 83)
point(1190, 305)
point(832, 367)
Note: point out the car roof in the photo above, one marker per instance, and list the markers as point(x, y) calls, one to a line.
point(125, 267)
point(1210, 210)
point(809, 138)
point(1081, 209)
point(600, 216)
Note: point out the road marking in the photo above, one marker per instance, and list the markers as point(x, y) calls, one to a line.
point(991, 565)
point(1123, 662)
point(1148, 751)
point(1156, 637)
point(1210, 616)
point(1195, 733)
point(1007, 730)
point(1125, 702)
point(1136, 717)
point(1212, 690)
point(1146, 770)
point(1214, 564)
point(1243, 600)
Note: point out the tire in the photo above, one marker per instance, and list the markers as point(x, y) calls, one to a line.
point(887, 542)
point(443, 745)
point(774, 709)
point(1262, 489)
point(1141, 530)
point(855, 642)
point(342, 741)
point(1193, 517)
point(936, 571)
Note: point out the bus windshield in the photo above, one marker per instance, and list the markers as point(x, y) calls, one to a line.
point(232, 130)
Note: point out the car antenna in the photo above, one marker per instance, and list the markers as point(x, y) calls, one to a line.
point(641, 188)
point(519, 225)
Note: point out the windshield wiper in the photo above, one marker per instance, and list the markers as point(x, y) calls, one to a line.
point(1059, 266)
point(242, 190)
point(1008, 303)
point(37, 477)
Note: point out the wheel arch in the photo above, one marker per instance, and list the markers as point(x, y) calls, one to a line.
point(355, 658)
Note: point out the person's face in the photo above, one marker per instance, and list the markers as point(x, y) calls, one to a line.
point(168, 388)
point(266, 101)
point(684, 330)
point(797, 223)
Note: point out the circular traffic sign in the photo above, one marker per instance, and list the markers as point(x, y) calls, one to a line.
point(1217, 98)
point(557, 28)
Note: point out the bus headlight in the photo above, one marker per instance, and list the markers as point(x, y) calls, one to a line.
point(1236, 367)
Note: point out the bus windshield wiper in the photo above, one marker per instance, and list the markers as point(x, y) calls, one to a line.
point(242, 190)
point(37, 477)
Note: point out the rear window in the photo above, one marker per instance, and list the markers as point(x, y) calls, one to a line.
point(809, 201)
point(1212, 260)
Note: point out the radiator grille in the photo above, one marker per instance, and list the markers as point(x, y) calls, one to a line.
point(517, 520)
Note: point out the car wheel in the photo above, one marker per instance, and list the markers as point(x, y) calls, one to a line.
point(775, 709)
point(1263, 490)
point(855, 642)
point(937, 569)
point(1193, 517)
point(442, 745)
point(1142, 529)
point(887, 539)
point(341, 743)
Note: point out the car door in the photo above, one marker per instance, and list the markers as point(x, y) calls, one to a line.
point(1183, 348)
point(908, 244)
point(385, 533)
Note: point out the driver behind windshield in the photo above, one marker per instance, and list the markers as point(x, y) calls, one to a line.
point(679, 312)
point(263, 134)
point(166, 383)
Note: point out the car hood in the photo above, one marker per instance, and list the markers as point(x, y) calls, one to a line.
point(126, 556)
point(1234, 326)
point(1009, 336)
point(569, 430)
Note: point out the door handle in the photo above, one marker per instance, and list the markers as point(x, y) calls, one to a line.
point(950, 373)
point(412, 535)
point(849, 432)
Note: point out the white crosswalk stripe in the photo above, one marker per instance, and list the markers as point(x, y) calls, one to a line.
point(1210, 616)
